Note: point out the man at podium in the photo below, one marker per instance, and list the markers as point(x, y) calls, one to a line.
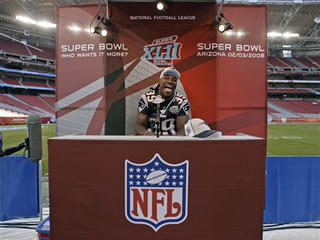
point(163, 110)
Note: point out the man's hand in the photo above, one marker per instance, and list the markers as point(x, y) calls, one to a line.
point(141, 124)
point(149, 133)
point(181, 121)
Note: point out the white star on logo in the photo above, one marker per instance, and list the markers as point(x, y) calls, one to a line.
point(130, 169)
point(174, 170)
point(138, 182)
point(138, 176)
point(181, 170)
point(174, 183)
point(174, 176)
point(156, 164)
point(167, 170)
point(130, 182)
point(138, 169)
point(181, 176)
point(145, 170)
point(181, 183)
point(130, 176)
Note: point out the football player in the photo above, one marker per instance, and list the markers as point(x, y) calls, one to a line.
point(163, 108)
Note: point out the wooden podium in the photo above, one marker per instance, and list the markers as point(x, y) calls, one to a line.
point(225, 187)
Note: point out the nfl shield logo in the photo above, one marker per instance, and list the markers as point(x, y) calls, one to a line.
point(156, 192)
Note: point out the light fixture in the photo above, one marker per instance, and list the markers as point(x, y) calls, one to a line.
point(26, 19)
point(42, 23)
point(46, 24)
point(104, 32)
point(283, 35)
point(221, 28)
point(223, 23)
point(102, 26)
point(104, 22)
point(161, 5)
point(290, 35)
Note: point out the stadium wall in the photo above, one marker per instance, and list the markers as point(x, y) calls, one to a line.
point(19, 189)
point(292, 189)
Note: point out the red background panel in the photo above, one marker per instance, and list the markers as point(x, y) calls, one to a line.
point(217, 86)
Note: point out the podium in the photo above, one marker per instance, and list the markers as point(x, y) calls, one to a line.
point(221, 194)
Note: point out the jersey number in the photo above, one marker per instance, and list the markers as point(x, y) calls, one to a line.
point(168, 126)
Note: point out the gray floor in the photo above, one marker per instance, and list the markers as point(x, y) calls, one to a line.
point(302, 231)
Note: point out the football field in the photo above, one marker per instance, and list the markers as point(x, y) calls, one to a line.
point(284, 139)
point(293, 139)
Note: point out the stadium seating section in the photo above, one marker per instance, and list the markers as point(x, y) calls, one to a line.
point(306, 63)
point(27, 104)
point(19, 49)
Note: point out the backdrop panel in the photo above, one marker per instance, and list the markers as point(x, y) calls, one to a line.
point(100, 79)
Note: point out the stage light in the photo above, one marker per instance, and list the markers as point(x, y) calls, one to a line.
point(102, 26)
point(221, 28)
point(224, 27)
point(96, 30)
point(161, 5)
point(91, 30)
point(223, 23)
point(104, 33)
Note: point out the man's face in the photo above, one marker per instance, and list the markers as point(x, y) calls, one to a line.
point(168, 84)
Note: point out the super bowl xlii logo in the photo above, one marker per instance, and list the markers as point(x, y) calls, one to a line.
point(161, 52)
point(156, 192)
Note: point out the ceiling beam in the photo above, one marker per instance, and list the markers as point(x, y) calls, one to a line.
point(288, 16)
point(29, 6)
point(277, 11)
point(313, 33)
point(293, 47)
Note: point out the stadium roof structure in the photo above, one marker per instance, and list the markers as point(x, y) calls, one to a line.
point(296, 16)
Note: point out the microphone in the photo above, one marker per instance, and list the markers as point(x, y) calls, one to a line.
point(158, 100)
point(34, 143)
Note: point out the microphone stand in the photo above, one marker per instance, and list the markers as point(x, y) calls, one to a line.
point(157, 120)
point(158, 100)
point(15, 149)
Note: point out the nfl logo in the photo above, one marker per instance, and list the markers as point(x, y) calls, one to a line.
point(156, 192)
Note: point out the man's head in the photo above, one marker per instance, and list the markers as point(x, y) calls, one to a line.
point(168, 82)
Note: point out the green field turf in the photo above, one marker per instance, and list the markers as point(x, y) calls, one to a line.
point(293, 139)
point(283, 139)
